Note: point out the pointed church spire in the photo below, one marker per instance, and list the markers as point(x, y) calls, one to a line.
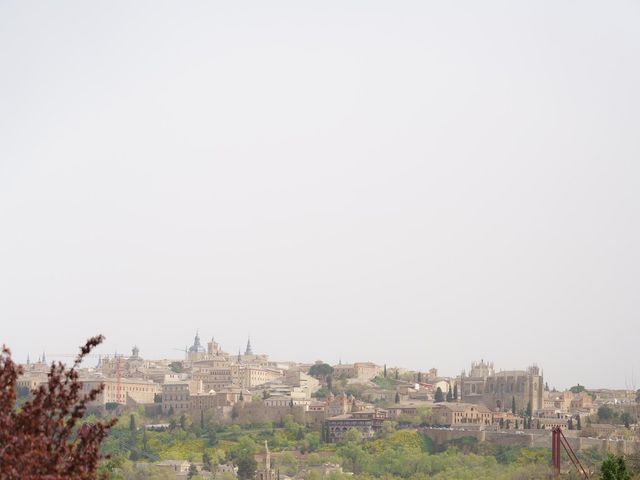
point(44, 359)
point(267, 458)
point(248, 351)
point(239, 356)
point(28, 362)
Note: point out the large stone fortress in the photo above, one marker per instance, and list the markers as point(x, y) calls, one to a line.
point(496, 390)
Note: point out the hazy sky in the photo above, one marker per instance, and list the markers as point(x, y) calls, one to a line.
point(417, 183)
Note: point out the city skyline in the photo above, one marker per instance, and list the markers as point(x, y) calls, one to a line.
point(629, 381)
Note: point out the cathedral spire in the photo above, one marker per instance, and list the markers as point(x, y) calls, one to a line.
point(248, 350)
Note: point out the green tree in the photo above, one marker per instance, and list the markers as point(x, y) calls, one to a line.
point(578, 423)
point(387, 428)
point(288, 463)
point(529, 410)
point(397, 374)
point(176, 367)
point(605, 413)
point(513, 405)
point(247, 466)
point(397, 397)
point(439, 396)
point(133, 429)
point(207, 463)
point(419, 377)
point(449, 394)
point(353, 435)
point(212, 437)
point(455, 392)
point(614, 468)
point(193, 471)
point(312, 441)
point(385, 374)
point(321, 370)
point(577, 389)
point(183, 421)
point(353, 455)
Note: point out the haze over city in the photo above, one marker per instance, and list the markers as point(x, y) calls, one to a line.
point(423, 185)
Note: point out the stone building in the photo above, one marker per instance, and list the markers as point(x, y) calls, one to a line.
point(253, 375)
point(201, 403)
point(122, 391)
point(359, 370)
point(338, 404)
point(176, 396)
point(368, 422)
point(460, 414)
point(548, 423)
point(32, 380)
point(214, 373)
point(497, 389)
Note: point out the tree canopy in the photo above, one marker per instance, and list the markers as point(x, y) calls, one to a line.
point(614, 468)
point(577, 388)
point(321, 370)
point(46, 438)
point(439, 396)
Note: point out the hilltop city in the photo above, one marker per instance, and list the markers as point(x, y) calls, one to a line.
point(210, 386)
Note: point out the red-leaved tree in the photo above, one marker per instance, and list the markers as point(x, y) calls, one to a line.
point(46, 439)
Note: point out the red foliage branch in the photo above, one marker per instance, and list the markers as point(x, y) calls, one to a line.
point(45, 439)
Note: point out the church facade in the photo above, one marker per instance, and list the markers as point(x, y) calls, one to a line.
point(497, 390)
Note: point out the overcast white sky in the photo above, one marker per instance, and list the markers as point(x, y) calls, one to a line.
point(417, 183)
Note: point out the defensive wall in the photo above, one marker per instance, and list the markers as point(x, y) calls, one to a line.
point(530, 439)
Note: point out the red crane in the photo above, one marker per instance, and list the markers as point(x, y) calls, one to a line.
point(557, 439)
point(118, 377)
point(118, 366)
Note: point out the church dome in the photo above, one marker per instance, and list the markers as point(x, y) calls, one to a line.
point(196, 347)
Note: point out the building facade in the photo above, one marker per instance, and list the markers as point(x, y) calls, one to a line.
point(122, 391)
point(460, 414)
point(497, 390)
